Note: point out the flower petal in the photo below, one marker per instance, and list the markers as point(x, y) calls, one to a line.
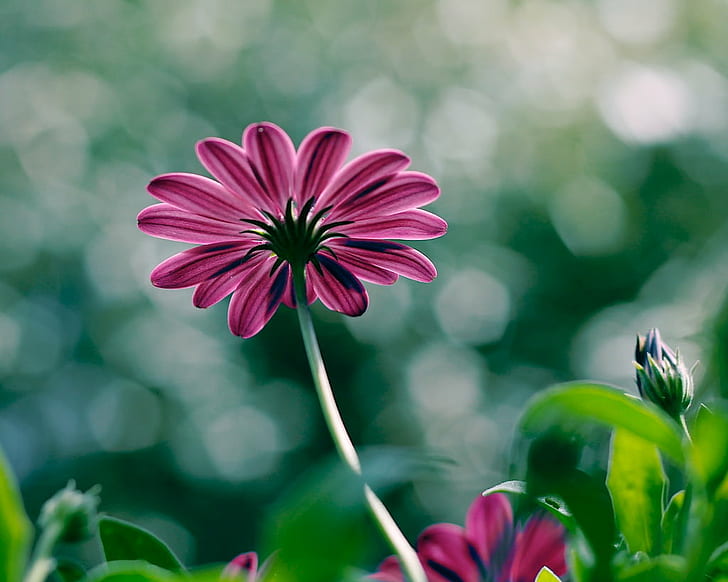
point(409, 225)
point(289, 297)
point(540, 543)
point(403, 191)
point(388, 571)
point(256, 299)
point(393, 256)
point(226, 280)
point(337, 287)
point(365, 270)
point(320, 155)
point(229, 163)
point(370, 170)
point(198, 264)
point(273, 157)
point(167, 221)
point(199, 195)
point(446, 555)
point(242, 567)
point(489, 527)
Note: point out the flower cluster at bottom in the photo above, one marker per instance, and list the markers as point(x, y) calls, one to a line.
point(490, 548)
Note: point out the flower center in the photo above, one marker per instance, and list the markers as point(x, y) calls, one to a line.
point(295, 238)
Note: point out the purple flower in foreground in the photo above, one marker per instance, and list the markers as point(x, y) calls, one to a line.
point(488, 549)
point(243, 567)
point(274, 210)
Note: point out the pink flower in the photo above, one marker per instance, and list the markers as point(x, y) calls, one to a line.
point(488, 548)
point(243, 567)
point(272, 210)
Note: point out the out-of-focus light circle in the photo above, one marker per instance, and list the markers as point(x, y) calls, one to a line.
point(560, 54)
point(24, 447)
point(244, 443)
point(206, 36)
point(124, 416)
point(461, 127)
point(9, 341)
point(445, 380)
point(473, 307)
point(472, 21)
point(643, 22)
point(646, 105)
point(589, 217)
point(381, 114)
point(22, 232)
point(385, 317)
point(709, 89)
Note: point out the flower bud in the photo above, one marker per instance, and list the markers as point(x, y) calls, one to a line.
point(243, 567)
point(73, 512)
point(662, 377)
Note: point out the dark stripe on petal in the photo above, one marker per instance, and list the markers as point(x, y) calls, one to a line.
point(444, 571)
point(232, 265)
point(326, 157)
point(373, 245)
point(314, 169)
point(216, 248)
point(229, 163)
point(369, 189)
point(342, 274)
point(280, 284)
point(475, 556)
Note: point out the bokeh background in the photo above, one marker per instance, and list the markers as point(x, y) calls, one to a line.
point(582, 151)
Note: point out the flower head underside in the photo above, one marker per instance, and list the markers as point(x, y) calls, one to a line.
point(274, 210)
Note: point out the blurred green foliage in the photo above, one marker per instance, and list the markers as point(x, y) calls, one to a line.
point(581, 148)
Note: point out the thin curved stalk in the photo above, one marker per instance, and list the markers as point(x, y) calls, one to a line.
point(408, 558)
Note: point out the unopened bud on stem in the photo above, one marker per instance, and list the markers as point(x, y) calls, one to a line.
point(662, 377)
point(73, 512)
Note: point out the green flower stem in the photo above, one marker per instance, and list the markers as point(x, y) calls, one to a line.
point(43, 562)
point(408, 558)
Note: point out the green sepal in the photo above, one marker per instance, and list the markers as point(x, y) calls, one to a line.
point(125, 541)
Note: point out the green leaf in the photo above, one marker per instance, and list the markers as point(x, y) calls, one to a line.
point(15, 528)
point(586, 497)
point(69, 571)
point(709, 453)
point(637, 484)
point(553, 505)
point(660, 569)
point(131, 571)
point(125, 541)
point(571, 405)
point(671, 520)
point(718, 562)
point(320, 528)
point(546, 575)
